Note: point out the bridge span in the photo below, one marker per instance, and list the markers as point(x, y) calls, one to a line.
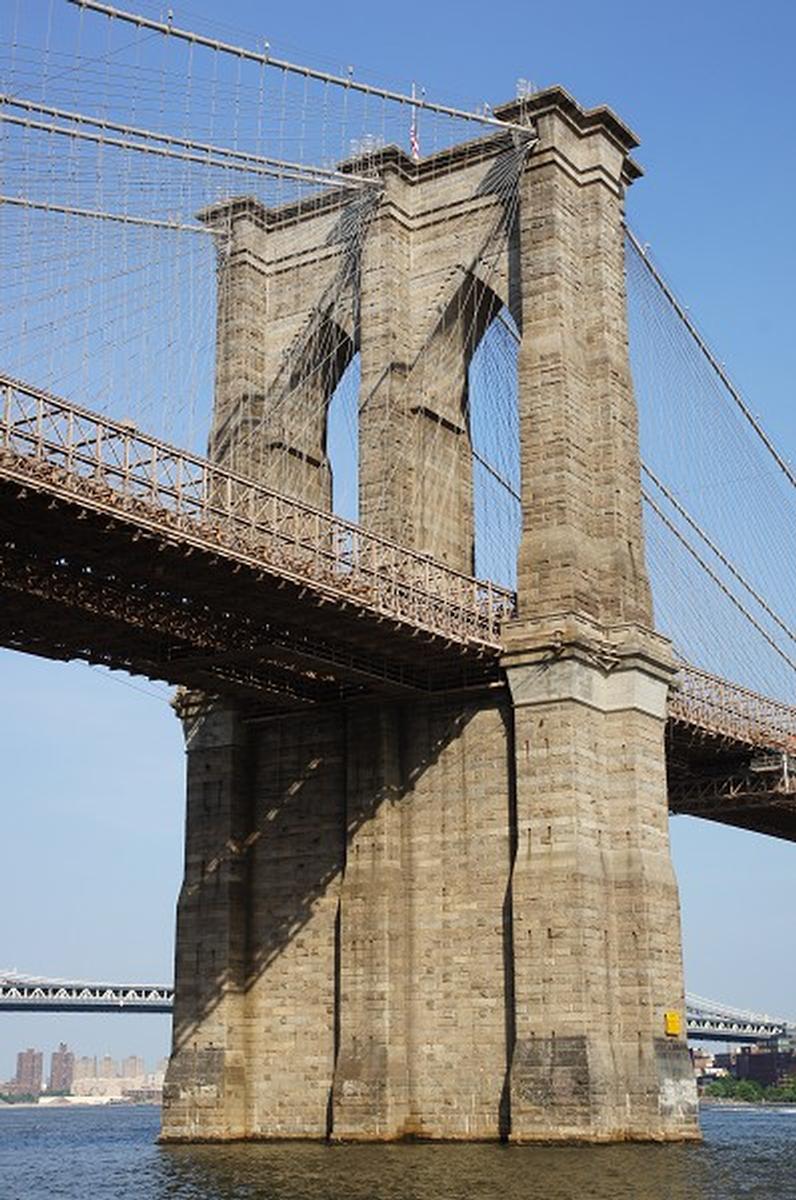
point(28, 993)
point(706, 1020)
point(114, 518)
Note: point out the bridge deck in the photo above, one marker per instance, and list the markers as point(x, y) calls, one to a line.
point(165, 564)
point(120, 549)
point(731, 755)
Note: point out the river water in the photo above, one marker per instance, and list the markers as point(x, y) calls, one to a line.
point(110, 1154)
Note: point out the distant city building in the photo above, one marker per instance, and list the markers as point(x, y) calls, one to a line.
point(62, 1069)
point(108, 1068)
point(85, 1068)
point(109, 1088)
point(156, 1078)
point(86, 1077)
point(767, 1063)
point(28, 1078)
point(133, 1082)
point(133, 1066)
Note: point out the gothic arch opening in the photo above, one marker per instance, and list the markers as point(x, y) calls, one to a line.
point(492, 391)
point(295, 429)
point(342, 441)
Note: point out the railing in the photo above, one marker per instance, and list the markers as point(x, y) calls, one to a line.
point(722, 1029)
point(111, 465)
point(728, 710)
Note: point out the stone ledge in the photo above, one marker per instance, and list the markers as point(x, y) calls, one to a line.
point(587, 683)
point(567, 657)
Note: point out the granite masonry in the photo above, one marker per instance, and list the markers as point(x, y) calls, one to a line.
point(452, 918)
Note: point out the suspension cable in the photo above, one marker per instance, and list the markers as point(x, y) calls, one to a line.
point(717, 579)
point(101, 215)
point(710, 357)
point(718, 552)
point(240, 52)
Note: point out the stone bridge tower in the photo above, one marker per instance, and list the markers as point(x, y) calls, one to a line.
point(452, 917)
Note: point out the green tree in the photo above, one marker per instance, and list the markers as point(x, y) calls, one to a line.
point(749, 1091)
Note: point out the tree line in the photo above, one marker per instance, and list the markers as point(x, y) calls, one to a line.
point(750, 1091)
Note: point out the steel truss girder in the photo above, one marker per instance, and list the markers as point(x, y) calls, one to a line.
point(82, 458)
point(255, 658)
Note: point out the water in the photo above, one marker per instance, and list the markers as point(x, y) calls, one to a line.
point(110, 1154)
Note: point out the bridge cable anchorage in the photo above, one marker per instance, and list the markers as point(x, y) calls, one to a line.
point(346, 82)
point(717, 579)
point(738, 399)
point(786, 629)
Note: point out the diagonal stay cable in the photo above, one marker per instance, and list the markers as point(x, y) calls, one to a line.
point(708, 354)
point(302, 175)
point(748, 587)
point(274, 166)
point(717, 580)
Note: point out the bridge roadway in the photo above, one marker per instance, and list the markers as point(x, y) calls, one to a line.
point(119, 549)
point(705, 1020)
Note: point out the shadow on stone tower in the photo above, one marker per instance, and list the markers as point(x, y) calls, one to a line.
point(451, 917)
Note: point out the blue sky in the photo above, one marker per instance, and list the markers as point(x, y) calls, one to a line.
point(91, 824)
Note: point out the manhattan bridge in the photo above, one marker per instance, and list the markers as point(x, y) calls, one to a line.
point(314, 403)
point(706, 1020)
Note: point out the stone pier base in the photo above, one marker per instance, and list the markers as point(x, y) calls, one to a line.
point(440, 920)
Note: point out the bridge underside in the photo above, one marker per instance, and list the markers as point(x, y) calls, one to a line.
point(130, 597)
point(116, 593)
point(730, 781)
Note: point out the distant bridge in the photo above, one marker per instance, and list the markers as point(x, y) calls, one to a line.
point(710, 1022)
point(705, 1019)
point(24, 993)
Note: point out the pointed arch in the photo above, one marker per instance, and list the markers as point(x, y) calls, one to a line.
point(493, 391)
point(342, 440)
point(294, 430)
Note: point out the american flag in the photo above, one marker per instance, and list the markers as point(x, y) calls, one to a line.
point(414, 140)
